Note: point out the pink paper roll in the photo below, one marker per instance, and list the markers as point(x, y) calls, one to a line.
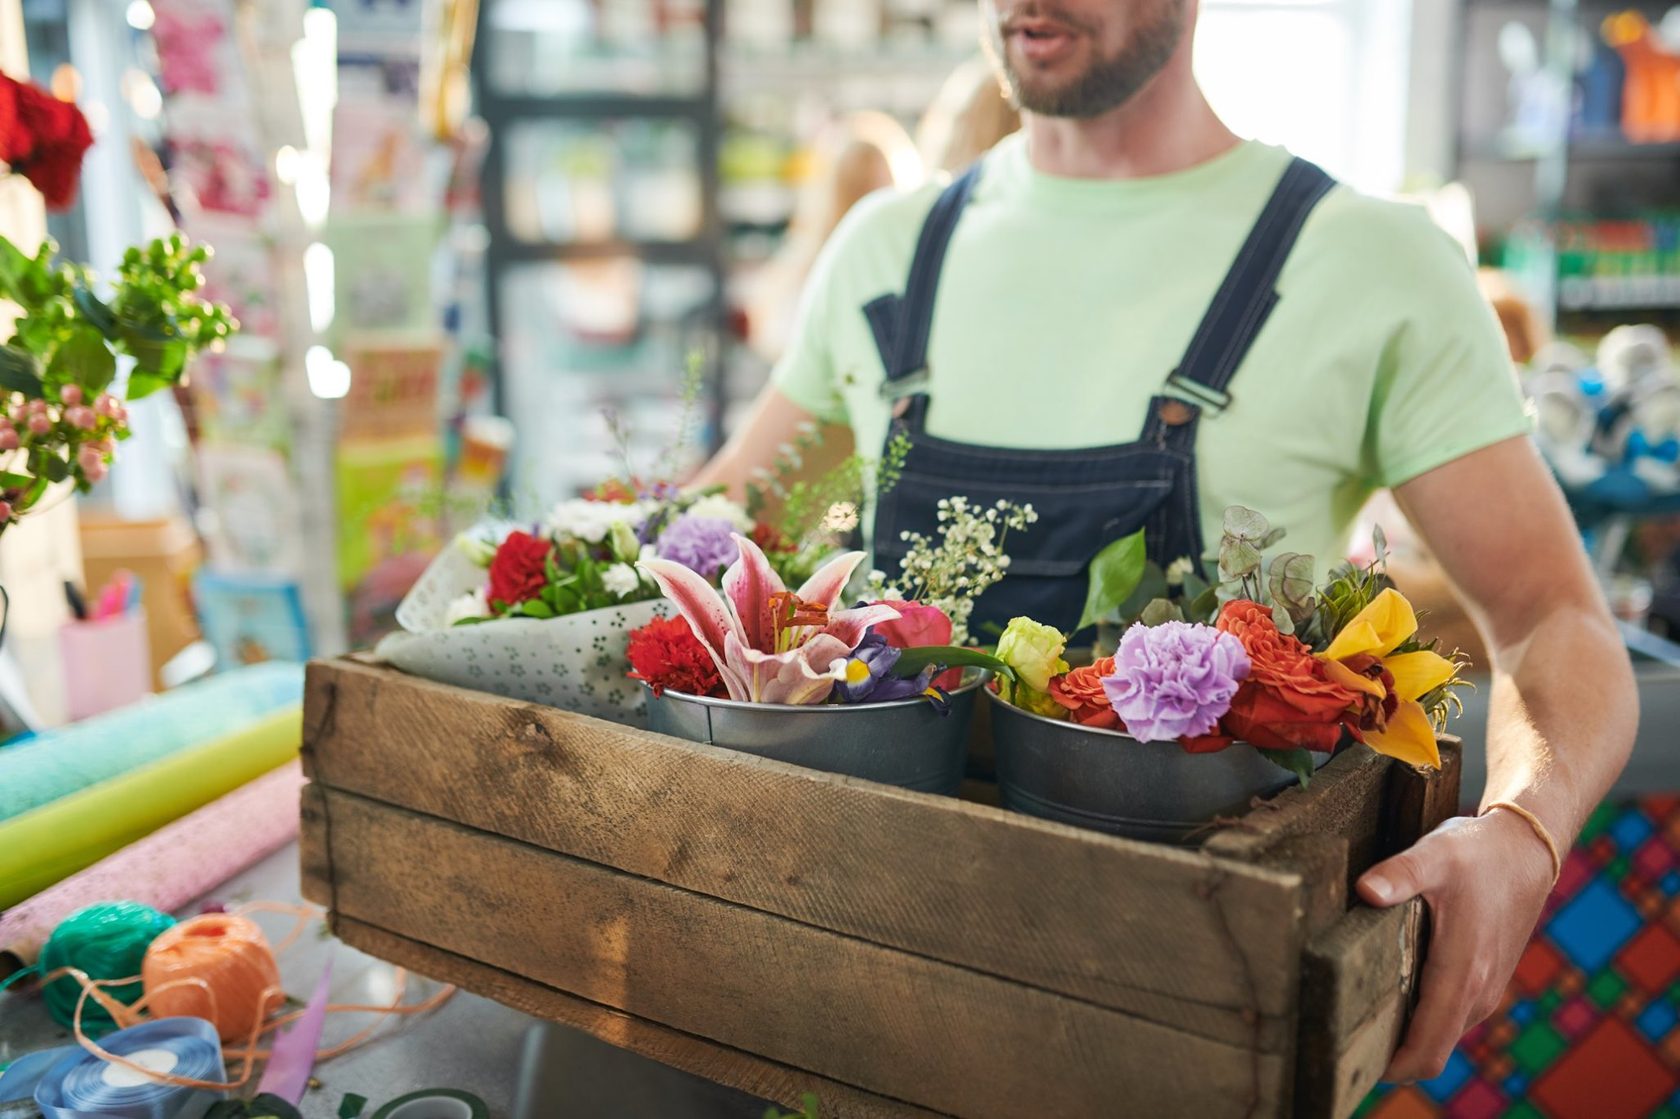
point(170, 867)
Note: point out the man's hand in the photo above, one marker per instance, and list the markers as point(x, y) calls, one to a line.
point(1485, 880)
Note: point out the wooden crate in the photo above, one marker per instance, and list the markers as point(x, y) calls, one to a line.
point(783, 930)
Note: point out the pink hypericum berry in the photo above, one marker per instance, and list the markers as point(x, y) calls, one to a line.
point(81, 416)
point(107, 405)
point(39, 423)
point(8, 439)
point(91, 462)
point(5, 511)
point(71, 395)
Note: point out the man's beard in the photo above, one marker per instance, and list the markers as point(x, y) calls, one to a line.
point(1107, 83)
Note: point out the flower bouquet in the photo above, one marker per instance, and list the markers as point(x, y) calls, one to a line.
point(1212, 699)
point(543, 612)
point(874, 690)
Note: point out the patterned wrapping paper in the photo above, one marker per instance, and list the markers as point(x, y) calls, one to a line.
point(1590, 1026)
point(173, 865)
point(576, 662)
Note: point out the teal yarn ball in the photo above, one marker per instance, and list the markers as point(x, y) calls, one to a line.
point(107, 941)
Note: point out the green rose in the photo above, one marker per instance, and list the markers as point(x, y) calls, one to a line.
point(1034, 651)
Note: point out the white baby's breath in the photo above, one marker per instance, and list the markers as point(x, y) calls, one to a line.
point(842, 516)
point(966, 560)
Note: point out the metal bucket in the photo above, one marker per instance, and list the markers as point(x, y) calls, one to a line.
point(1111, 782)
point(907, 743)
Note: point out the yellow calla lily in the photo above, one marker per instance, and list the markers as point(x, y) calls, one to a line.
point(1375, 630)
point(1409, 736)
point(1417, 674)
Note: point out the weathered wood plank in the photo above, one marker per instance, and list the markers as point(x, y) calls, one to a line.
point(695, 1055)
point(937, 1035)
point(1345, 798)
point(1356, 990)
point(1056, 907)
point(1420, 800)
point(315, 869)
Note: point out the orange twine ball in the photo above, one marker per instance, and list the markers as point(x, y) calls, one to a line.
point(216, 966)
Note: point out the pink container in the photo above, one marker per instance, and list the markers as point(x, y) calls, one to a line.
point(107, 664)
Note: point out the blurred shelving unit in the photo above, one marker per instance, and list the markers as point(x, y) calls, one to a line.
point(605, 261)
point(1583, 208)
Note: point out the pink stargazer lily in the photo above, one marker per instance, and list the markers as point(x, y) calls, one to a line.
point(771, 646)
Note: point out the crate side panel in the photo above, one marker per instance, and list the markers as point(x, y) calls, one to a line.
point(1052, 906)
point(939, 1036)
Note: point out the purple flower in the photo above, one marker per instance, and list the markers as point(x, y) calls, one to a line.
point(867, 676)
point(704, 545)
point(1175, 680)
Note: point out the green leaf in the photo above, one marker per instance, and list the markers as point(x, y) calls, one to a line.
point(11, 481)
point(14, 268)
point(19, 373)
point(1152, 586)
point(536, 608)
point(50, 467)
point(1299, 762)
point(84, 359)
point(1238, 558)
point(1205, 606)
point(142, 385)
point(94, 310)
point(1161, 611)
point(912, 661)
point(1116, 572)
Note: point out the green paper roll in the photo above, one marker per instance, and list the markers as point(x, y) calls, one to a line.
point(447, 1103)
point(56, 840)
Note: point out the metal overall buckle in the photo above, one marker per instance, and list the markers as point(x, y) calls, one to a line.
point(1209, 399)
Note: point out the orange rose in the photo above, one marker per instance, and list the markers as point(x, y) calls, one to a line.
point(1288, 701)
point(1081, 692)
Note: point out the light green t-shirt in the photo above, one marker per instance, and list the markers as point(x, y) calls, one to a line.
point(1064, 304)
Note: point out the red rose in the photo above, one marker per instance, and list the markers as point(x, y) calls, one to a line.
point(47, 140)
point(520, 570)
point(666, 654)
point(1081, 692)
point(1288, 701)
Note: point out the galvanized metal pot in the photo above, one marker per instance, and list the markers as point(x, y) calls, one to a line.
point(907, 743)
point(1111, 782)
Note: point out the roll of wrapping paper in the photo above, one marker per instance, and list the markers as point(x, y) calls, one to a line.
point(65, 761)
point(169, 868)
point(51, 843)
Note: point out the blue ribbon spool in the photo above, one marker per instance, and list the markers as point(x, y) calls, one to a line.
point(82, 1086)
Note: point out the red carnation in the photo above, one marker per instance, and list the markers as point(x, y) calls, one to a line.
point(520, 570)
point(44, 140)
point(666, 654)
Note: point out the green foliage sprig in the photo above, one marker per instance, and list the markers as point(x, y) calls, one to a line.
point(59, 420)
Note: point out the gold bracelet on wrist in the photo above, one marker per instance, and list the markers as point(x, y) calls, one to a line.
point(1538, 828)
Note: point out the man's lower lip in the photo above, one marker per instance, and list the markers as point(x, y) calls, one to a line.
point(1043, 48)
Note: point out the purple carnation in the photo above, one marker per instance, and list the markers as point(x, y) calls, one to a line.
point(704, 545)
point(1175, 680)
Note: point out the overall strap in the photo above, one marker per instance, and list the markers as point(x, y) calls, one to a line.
point(1239, 309)
point(902, 323)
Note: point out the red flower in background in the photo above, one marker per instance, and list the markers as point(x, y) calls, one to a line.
point(666, 654)
point(520, 570)
point(43, 139)
point(1288, 700)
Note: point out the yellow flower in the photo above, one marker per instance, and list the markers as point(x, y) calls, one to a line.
point(1034, 651)
point(1362, 658)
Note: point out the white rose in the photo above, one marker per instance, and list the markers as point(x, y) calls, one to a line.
point(474, 605)
point(621, 579)
point(719, 507)
point(476, 548)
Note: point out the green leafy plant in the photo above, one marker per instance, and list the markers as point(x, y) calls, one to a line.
point(60, 419)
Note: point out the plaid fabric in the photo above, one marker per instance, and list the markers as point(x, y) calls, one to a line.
point(1588, 1028)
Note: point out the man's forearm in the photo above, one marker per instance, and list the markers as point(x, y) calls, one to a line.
point(1562, 717)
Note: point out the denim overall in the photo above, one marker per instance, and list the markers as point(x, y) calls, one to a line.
point(1085, 498)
